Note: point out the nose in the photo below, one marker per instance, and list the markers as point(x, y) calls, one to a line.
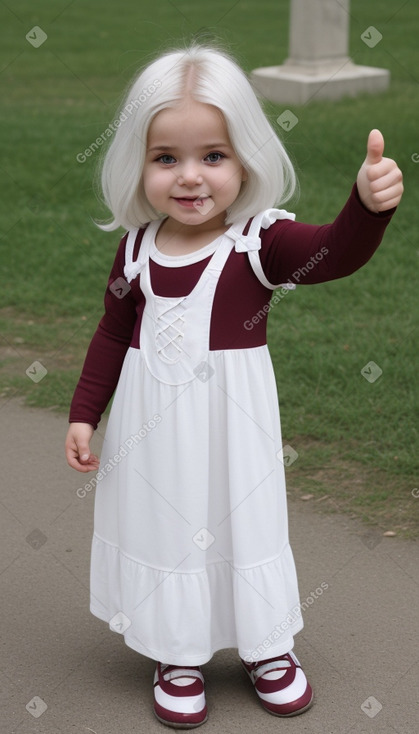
point(189, 175)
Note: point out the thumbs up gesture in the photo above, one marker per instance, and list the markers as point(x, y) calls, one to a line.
point(379, 181)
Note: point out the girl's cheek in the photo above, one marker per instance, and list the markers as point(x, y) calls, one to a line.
point(161, 177)
point(153, 180)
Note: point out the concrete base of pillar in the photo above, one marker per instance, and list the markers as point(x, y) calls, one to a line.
point(298, 85)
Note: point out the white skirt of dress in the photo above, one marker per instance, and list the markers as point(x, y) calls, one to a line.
point(190, 552)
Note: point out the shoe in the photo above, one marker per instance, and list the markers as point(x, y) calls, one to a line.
point(281, 685)
point(179, 696)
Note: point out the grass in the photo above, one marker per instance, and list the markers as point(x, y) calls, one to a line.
point(355, 439)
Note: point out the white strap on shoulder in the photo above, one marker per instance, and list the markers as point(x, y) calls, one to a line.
point(263, 220)
point(131, 268)
point(129, 249)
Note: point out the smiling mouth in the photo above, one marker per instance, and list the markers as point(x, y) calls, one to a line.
point(191, 200)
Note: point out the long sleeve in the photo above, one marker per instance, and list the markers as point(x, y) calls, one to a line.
point(107, 349)
point(307, 253)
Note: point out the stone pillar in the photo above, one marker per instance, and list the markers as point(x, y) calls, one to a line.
point(318, 65)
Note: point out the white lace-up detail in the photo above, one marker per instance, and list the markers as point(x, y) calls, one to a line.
point(169, 328)
point(175, 331)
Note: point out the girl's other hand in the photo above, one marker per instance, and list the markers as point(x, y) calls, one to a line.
point(77, 449)
point(380, 180)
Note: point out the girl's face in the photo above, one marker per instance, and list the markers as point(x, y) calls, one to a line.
point(191, 171)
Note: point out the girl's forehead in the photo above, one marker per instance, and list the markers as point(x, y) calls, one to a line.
point(189, 117)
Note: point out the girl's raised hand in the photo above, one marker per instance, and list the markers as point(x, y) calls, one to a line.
point(380, 180)
point(77, 449)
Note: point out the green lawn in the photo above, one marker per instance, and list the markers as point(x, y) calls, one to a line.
point(356, 440)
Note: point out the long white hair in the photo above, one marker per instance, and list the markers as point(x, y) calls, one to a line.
point(213, 78)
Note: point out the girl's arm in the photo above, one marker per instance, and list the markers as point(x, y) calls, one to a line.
point(305, 253)
point(101, 368)
point(107, 349)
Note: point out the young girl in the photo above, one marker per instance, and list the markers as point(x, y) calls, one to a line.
point(190, 552)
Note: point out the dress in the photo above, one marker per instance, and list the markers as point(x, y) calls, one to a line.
point(190, 552)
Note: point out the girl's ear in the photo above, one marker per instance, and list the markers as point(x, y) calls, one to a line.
point(244, 174)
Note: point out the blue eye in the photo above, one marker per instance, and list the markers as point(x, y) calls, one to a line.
point(166, 159)
point(214, 157)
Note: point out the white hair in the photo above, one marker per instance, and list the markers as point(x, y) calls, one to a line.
point(210, 76)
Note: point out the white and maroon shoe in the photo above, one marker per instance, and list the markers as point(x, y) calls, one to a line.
point(179, 696)
point(281, 685)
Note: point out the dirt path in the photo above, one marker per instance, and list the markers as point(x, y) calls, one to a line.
point(64, 671)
